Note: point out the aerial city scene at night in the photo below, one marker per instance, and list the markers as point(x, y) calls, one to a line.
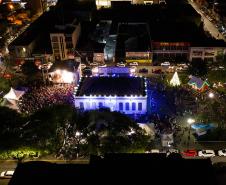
point(112, 92)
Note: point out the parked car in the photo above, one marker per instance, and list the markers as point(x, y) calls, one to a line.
point(7, 174)
point(189, 153)
point(155, 151)
point(94, 64)
point(170, 151)
point(120, 65)
point(158, 71)
point(209, 18)
point(87, 71)
point(165, 64)
point(222, 152)
point(143, 70)
point(206, 153)
point(83, 66)
point(104, 65)
point(133, 64)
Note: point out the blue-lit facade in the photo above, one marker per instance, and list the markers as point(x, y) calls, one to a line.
point(133, 103)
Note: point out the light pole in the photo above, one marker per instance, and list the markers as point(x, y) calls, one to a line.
point(77, 135)
point(190, 121)
point(211, 95)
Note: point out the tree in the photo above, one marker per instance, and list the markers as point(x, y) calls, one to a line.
point(113, 132)
point(47, 126)
point(4, 84)
point(11, 122)
point(198, 68)
point(30, 70)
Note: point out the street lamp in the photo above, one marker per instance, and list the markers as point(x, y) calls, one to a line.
point(11, 7)
point(211, 95)
point(77, 134)
point(190, 121)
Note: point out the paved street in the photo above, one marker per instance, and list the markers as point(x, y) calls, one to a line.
point(11, 165)
point(7, 165)
point(209, 26)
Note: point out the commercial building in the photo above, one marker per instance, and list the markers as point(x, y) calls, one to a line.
point(34, 40)
point(64, 37)
point(125, 94)
point(52, 36)
point(133, 43)
point(40, 6)
point(93, 45)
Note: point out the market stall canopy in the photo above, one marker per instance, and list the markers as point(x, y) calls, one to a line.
point(198, 83)
point(14, 94)
point(12, 104)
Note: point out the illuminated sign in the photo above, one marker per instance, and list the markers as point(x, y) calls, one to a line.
point(139, 60)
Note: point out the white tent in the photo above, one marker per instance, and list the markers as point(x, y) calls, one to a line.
point(14, 94)
point(12, 104)
point(175, 81)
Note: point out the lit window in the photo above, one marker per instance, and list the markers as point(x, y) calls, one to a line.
point(139, 106)
point(87, 105)
point(127, 106)
point(133, 106)
point(94, 105)
point(120, 106)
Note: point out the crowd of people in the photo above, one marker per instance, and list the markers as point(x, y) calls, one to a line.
point(39, 97)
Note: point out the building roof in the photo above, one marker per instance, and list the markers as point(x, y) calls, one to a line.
point(136, 169)
point(133, 37)
point(34, 31)
point(43, 45)
point(65, 23)
point(119, 86)
point(68, 65)
point(85, 43)
point(198, 82)
point(63, 29)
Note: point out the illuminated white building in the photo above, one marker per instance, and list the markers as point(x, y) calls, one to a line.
point(107, 3)
point(125, 94)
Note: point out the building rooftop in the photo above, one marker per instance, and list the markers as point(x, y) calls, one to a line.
point(64, 23)
point(85, 43)
point(44, 25)
point(133, 37)
point(35, 30)
point(135, 169)
point(119, 86)
point(43, 46)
